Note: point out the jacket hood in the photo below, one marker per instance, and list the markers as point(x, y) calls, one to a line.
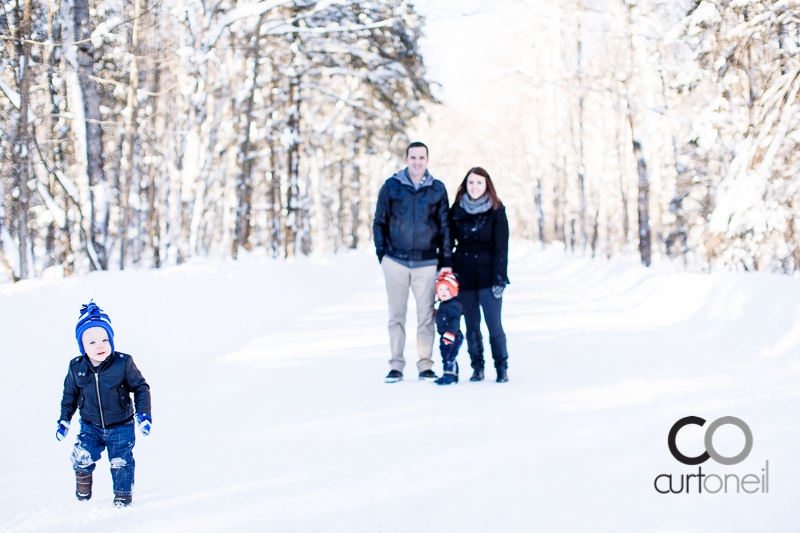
point(403, 177)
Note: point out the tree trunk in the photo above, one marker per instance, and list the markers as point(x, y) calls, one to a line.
point(292, 167)
point(641, 165)
point(94, 133)
point(84, 105)
point(340, 231)
point(539, 211)
point(21, 151)
point(7, 266)
point(64, 256)
point(580, 154)
point(623, 189)
point(155, 218)
point(355, 190)
point(128, 148)
point(245, 188)
point(275, 199)
point(644, 199)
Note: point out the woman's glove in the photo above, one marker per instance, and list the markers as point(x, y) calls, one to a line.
point(497, 291)
point(63, 429)
point(144, 421)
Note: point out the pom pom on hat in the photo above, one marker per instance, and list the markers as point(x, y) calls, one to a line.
point(93, 317)
point(448, 279)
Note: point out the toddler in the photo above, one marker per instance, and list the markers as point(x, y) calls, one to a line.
point(448, 324)
point(99, 383)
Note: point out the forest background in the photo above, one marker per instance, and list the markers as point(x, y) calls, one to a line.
point(141, 133)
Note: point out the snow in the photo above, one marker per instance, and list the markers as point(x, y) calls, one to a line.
point(238, 13)
point(58, 214)
point(69, 186)
point(270, 412)
point(333, 28)
point(10, 93)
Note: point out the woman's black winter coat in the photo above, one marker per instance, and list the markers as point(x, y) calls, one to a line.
point(481, 255)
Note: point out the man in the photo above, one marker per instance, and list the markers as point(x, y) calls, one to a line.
point(412, 240)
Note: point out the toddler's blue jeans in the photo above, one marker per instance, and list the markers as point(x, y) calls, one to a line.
point(119, 440)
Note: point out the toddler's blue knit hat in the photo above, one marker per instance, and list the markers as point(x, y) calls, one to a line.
point(93, 317)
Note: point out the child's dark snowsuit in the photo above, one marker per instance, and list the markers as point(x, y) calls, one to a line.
point(448, 323)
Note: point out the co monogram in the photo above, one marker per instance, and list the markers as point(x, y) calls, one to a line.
point(709, 444)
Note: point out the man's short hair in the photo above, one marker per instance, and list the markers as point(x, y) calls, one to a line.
point(416, 145)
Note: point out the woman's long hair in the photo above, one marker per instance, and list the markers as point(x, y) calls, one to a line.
point(462, 189)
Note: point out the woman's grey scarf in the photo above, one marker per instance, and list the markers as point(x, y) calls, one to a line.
point(473, 207)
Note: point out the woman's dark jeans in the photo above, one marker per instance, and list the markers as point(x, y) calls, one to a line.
point(473, 302)
point(119, 441)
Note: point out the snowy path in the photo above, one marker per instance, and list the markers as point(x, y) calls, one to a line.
point(270, 413)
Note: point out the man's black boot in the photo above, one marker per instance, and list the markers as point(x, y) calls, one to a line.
point(477, 374)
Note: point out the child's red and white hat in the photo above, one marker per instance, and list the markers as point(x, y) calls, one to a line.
point(448, 279)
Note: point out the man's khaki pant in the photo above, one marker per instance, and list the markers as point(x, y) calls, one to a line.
point(422, 281)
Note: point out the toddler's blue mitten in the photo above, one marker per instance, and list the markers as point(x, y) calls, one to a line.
point(144, 421)
point(63, 429)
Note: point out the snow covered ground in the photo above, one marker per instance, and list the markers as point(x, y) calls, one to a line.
point(270, 411)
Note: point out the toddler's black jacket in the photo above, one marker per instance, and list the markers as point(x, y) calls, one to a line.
point(448, 316)
point(103, 394)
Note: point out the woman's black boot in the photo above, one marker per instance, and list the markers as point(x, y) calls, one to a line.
point(475, 348)
point(499, 351)
point(500, 356)
point(502, 374)
point(477, 374)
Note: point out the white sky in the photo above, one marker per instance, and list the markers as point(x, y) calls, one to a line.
point(470, 47)
point(464, 44)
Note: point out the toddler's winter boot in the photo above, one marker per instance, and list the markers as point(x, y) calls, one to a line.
point(450, 374)
point(122, 500)
point(83, 489)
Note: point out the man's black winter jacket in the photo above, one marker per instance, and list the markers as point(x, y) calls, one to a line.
point(411, 224)
point(103, 394)
point(481, 256)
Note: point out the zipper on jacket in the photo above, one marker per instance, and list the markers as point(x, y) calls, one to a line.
point(414, 220)
point(99, 403)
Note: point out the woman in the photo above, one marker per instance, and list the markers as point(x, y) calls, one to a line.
point(479, 228)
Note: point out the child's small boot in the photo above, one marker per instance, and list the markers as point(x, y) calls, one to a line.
point(450, 374)
point(122, 500)
point(83, 489)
